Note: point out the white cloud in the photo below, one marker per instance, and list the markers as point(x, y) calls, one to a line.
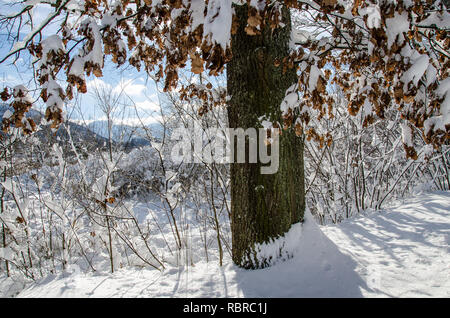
point(148, 105)
point(8, 78)
point(99, 83)
point(142, 121)
point(132, 121)
point(130, 88)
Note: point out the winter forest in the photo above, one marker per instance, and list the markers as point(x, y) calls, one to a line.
point(225, 148)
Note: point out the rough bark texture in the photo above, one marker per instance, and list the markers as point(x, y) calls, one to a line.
point(263, 206)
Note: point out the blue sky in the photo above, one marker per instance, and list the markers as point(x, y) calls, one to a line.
point(134, 86)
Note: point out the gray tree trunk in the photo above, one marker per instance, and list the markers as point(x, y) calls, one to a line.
point(263, 207)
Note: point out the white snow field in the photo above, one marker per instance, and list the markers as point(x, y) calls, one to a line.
point(402, 251)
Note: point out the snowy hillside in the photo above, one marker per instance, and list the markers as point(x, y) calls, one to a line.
point(402, 251)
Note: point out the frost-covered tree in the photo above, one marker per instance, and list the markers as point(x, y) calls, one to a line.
point(383, 54)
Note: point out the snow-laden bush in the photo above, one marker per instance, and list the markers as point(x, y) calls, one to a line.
point(365, 166)
point(104, 211)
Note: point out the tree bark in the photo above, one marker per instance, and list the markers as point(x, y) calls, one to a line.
point(263, 207)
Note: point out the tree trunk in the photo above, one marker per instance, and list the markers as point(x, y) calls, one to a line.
point(263, 207)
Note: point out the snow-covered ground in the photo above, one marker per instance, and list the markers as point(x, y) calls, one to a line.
point(402, 251)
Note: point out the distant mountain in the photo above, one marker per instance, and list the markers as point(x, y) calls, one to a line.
point(32, 113)
point(80, 134)
point(94, 134)
point(129, 136)
point(33, 155)
point(86, 139)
